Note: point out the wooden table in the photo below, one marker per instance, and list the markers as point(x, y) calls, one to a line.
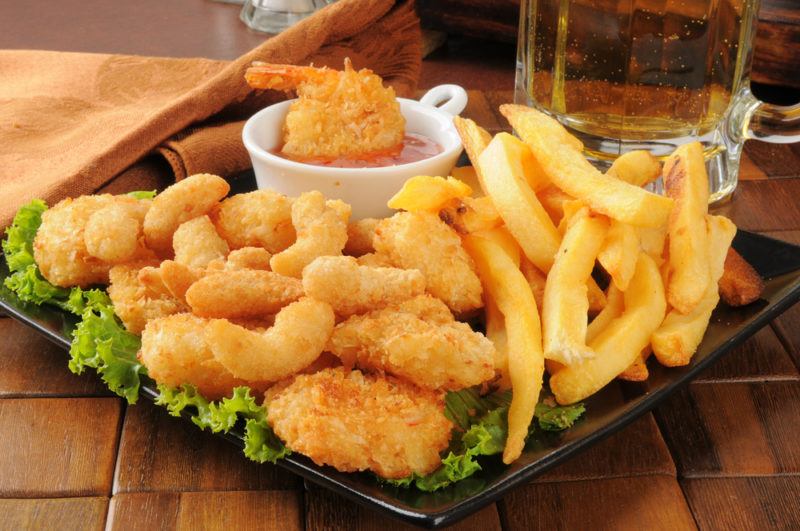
point(721, 454)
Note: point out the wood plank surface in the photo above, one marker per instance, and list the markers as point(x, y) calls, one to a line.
point(159, 452)
point(326, 510)
point(766, 205)
point(33, 366)
point(189, 511)
point(744, 503)
point(734, 429)
point(645, 502)
point(58, 446)
point(762, 357)
point(86, 514)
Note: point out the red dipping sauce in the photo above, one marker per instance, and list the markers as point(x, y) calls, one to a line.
point(415, 147)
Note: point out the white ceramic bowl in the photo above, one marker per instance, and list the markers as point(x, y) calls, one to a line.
point(366, 189)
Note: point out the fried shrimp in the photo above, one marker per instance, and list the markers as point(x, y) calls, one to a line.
point(351, 288)
point(176, 278)
point(321, 231)
point(435, 355)
point(243, 293)
point(256, 219)
point(196, 243)
point(114, 233)
point(357, 422)
point(359, 237)
point(60, 246)
point(347, 114)
point(295, 340)
point(136, 302)
point(184, 200)
point(420, 240)
point(175, 352)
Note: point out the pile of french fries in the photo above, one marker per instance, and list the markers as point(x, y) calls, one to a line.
point(546, 219)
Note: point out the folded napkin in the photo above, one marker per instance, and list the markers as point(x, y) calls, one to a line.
point(71, 123)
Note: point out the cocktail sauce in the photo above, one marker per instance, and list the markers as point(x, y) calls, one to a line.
point(415, 147)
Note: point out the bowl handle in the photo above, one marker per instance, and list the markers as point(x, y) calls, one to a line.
point(449, 98)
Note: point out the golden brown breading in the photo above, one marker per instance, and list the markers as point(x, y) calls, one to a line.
point(242, 293)
point(740, 284)
point(436, 355)
point(256, 219)
point(354, 422)
point(351, 288)
point(137, 302)
point(196, 243)
point(175, 352)
point(321, 231)
point(420, 240)
point(114, 233)
point(337, 113)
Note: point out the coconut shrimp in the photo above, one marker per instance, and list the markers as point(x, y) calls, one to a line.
point(296, 340)
point(354, 421)
point(338, 114)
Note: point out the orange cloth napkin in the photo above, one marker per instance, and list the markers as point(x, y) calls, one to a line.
point(71, 123)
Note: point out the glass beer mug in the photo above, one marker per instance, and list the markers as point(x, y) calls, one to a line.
point(649, 74)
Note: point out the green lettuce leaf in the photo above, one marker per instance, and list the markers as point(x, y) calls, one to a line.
point(143, 194)
point(552, 417)
point(18, 245)
point(101, 342)
point(260, 442)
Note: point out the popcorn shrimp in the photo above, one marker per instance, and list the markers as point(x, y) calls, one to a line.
point(321, 231)
point(60, 245)
point(420, 240)
point(444, 355)
point(297, 338)
point(359, 237)
point(184, 200)
point(242, 293)
point(353, 421)
point(136, 302)
point(351, 288)
point(175, 353)
point(338, 114)
point(114, 233)
point(196, 243)
point(256, 219)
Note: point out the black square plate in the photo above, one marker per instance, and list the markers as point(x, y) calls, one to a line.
point(606, 412)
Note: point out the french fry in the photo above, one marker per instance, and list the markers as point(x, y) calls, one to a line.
point(677, 339)
point(468, 175)
point(597, 299)
point(686, 181)
point(496, 333)
point(740, 283)
point(430, 194)
point(619, 253)
point(652, 241)
point(471, 215)
point(638, 371)
point(507, 286)
point(636, 167)
point(536, 280)
point(475, 139)
point(503, 180)
point(566, 303)
point(613, 309)
point(567, 168)
point(553, 199)
point(621, 342)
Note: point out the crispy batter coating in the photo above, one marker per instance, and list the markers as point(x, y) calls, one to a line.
point(351, 288)
point(196, 243)
point(359, 237)
point(137, 302)
point(243, 293)
point(60, 248)
point(355, 422)
point(170, 275)
point(321, 231)
point(435, 355)
point(114, 233)
point(420, 240)
point(184, 200)
point(740, 284)
point(295, 340)
point(337, 114)
point(175, 352)
point(374, 260)
point(256, 219)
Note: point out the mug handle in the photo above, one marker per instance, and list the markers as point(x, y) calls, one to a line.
point(767, 122)
point(449, 98)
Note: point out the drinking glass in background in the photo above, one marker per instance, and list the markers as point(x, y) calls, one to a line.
point(649, 74)
point(274, 16)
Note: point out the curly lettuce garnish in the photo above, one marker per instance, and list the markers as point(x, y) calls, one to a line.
point(481, 429)
point(260, 443)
